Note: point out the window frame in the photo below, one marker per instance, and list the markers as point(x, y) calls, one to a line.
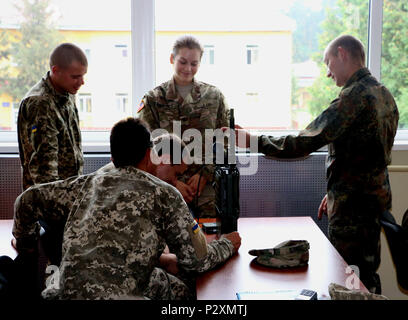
point(143, 72)
point(252, 54)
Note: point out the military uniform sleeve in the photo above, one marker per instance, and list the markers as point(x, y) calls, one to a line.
point(42, 135)
point(327, 127)
point(223, 113)
point(187, 241)
point(148, 113)
point(50, 202)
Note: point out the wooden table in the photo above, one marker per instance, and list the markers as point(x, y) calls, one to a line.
point(240, 273)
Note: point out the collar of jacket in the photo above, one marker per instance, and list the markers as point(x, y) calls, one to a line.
point(361, 73)
point(62, 98)
point(172, 93)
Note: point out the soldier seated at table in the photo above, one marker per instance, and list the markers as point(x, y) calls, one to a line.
point(117, 223)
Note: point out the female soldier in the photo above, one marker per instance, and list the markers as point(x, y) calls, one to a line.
point(195, 105)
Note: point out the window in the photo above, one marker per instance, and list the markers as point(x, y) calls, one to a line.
point(286, 87)
point(270, 48)
point(394, 59)
point(208, 55)
point(88, 54)
point(252, 54)
point(122, 103)
point(122, 49)
point(84, 103)
point(105, 39)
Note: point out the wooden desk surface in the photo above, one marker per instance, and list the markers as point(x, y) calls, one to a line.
point(5, 239)
point(240, 273)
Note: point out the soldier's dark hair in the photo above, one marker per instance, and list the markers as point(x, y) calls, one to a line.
point(189, 42)
point(349, 43)
point(66, 53)
point(129, 141)
point(172, 145)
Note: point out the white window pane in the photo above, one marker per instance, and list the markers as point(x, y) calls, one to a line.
point(100, 28)
point(394, 61)
point(268, 53)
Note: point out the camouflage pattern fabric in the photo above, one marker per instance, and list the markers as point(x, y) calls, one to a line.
point(49, 136)
point(204, 108)
point(118, 222)
point(288, 254)
point(359, 126)
point(338, 292)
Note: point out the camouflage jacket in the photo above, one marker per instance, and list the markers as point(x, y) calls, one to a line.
point(118, 222)
point(359, 127)
point(204, 108)
point(49, 136)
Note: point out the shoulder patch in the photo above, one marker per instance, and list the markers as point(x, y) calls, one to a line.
point(195, 227)
point(141, 106)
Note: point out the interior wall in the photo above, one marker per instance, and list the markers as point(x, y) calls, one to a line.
point(399, 185)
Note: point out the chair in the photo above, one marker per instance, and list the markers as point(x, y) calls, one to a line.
point(397, 238)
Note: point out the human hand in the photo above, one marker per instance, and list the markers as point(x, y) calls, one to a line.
point(28, 250)
point(14, 244)
point(186, 191)
point(322, 208)
point(193, 183)
point(168, 261)
point(235, 238)
point(242, 137)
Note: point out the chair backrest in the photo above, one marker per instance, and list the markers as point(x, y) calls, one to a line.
point(397, 238)
point(404, 224)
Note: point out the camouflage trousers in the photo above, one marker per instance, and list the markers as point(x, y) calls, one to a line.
point(354, 230)
point(165, 286)
point(360, 246)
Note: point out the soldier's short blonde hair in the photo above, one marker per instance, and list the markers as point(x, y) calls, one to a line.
point(66, 53)
point(187, 41)
point(353, 45)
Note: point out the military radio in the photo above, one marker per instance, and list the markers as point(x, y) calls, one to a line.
point(226, 185)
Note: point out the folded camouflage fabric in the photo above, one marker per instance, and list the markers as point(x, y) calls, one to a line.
point(288, 254)
point(338, 292)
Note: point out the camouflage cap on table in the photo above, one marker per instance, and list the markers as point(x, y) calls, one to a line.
point(291, 253)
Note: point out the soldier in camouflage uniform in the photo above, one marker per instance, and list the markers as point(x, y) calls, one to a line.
point(49, 137)
point(195, 105)
point(359, 127)
point(118, 222)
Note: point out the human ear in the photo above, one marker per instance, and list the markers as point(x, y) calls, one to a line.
point(342, 53)
point(55, 69)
